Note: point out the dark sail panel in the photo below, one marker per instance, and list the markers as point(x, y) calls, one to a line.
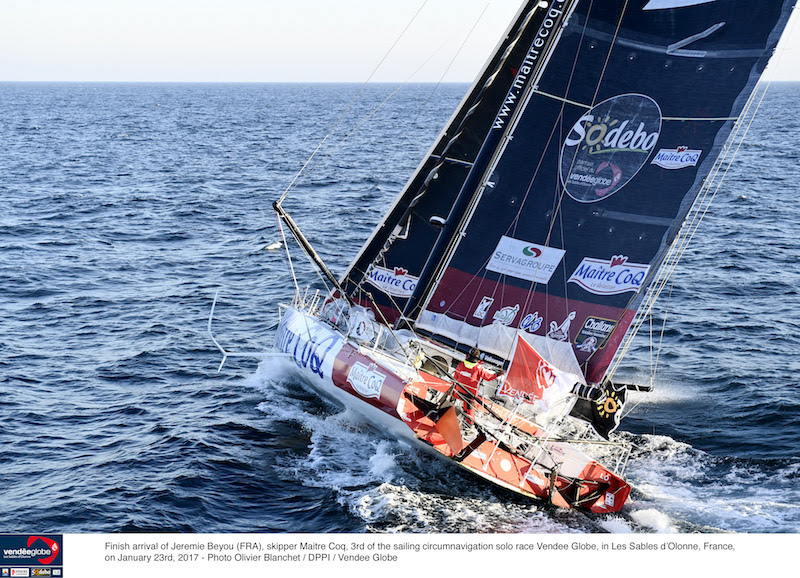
point(569, 222)
point(391, 261)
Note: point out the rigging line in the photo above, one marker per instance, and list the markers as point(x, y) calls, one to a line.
point(439, 82)
point(475, 197)
point(457, 133)
point(594, 97)
point(559, 198)
point(315, 267)
point(596, 90)
point(628, 409)
point(557, 208)
point(405, 136)
point(729, 164)
point(515, 222)
point(369, 116)
point(743, 116)
point(610, 50)
point(349, 106)
point(483, 277)
point(512, 228)
point(385, 321)
point(477, 101)
point(663, 331)
point(597, 86)
point(692, 224)
point(681, 248)
point(671, 118)
point(704, 201)
point(452, 61)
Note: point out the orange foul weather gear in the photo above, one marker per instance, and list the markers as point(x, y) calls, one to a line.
point(469, 375)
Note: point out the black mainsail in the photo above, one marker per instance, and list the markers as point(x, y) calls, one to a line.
point(556, 190)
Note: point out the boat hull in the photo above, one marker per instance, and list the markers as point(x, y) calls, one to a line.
point(358, 378)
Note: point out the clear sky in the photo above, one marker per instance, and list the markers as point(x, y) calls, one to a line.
point(261, 40)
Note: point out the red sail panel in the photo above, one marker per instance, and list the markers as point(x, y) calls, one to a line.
point(528, 375)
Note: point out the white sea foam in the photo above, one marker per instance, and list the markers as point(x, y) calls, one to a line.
point(394, 487)
point(682, 489)
point(652, 518)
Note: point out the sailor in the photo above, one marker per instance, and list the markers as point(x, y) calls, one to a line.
point(469, 374)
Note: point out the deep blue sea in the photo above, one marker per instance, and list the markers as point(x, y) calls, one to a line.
point(125, 207)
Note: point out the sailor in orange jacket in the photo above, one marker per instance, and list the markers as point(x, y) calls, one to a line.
point(469, 374)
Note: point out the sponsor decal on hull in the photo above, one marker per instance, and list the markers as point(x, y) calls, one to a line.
point(366, 379)
point(311, 345)
point(611, 277)
point(608, 146)
point(525, 260)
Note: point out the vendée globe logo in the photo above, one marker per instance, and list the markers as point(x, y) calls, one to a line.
point(40, 548)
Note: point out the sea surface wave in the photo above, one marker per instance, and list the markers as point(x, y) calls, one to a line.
point(124, 209)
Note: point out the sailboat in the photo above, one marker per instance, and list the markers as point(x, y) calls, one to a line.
point(534, 237)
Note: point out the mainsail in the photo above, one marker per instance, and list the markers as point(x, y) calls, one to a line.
point(555, 192)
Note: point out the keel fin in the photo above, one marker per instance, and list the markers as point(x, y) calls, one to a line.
point(447, 425)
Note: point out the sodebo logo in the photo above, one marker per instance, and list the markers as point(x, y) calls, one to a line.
point(608, 146)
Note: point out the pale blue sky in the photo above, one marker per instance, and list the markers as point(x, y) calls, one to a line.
point(260, 40)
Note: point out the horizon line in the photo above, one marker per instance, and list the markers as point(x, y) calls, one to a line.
point(761, 80)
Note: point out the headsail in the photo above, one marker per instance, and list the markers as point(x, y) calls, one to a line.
point(595, 171)
point(543, 378)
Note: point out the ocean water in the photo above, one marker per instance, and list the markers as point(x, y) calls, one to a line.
point(124, 208)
